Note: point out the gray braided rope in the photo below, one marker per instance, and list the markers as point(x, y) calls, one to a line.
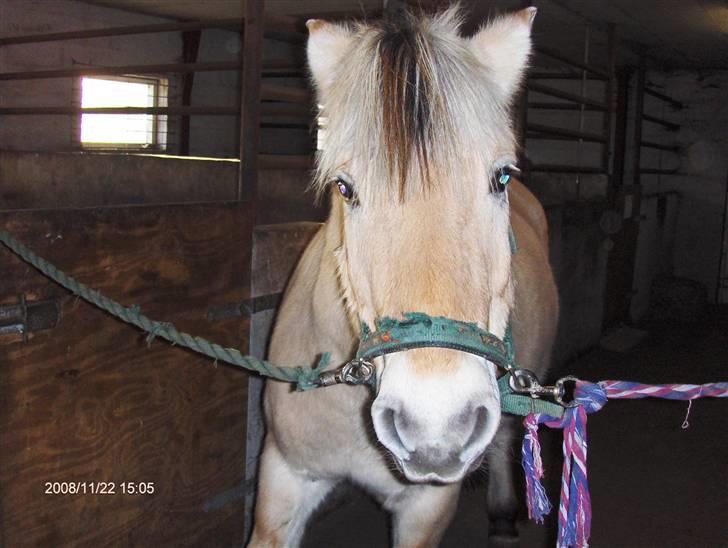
point(304, 377)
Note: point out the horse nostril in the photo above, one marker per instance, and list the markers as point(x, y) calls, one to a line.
point(476, 441)
point(385, 424)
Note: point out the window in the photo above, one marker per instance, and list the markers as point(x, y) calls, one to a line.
point(123, 131)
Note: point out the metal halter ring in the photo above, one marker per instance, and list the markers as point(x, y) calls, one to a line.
point(561, 391)
point(358, 371)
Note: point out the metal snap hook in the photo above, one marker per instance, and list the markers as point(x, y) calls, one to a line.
point(523, 381)
point(357, 371)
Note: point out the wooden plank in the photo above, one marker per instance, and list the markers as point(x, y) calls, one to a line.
point(273, 92)
point(91, 401)
point(211, 66)
point(121, 31)
point(277, 27)
point(285, 161)
point(276, 251)
point(170, 111)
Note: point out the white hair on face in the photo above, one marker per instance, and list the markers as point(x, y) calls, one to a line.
point(411, 103)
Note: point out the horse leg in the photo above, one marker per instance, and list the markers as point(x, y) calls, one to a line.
point(286, 500)
point(502, 500)
point(421, 513)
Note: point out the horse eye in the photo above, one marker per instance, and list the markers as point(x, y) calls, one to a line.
point(502, 176)
point(345, 188)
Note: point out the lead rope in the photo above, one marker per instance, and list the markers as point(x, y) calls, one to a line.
point(575, 504)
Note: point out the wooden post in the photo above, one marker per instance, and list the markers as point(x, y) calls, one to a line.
point(190, 49)
point(251, 69)
point(250, 96)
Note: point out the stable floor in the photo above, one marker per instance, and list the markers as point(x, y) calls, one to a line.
point(653, 483)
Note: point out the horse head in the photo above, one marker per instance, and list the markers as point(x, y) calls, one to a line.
point(417, 135)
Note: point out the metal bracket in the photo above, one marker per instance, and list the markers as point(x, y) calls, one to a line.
point(28, 317)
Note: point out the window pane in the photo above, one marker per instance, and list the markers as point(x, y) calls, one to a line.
point(135, 129)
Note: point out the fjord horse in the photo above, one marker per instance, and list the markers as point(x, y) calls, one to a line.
point(418, 134)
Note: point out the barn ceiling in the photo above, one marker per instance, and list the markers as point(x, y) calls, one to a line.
point(672, 33)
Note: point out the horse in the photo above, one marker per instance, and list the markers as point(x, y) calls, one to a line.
point(418, 139)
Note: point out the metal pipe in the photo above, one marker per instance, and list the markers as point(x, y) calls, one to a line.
point(547, 90)
point(675, 104)
point(658, 146)
point(556, 168)
point(664, 123)
point(548, 52)
point(657, 171)
point(538, 105)
point(570, 134)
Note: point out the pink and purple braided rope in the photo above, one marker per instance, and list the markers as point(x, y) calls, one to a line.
point(575, 503)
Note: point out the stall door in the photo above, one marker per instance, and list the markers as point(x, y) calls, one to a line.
point(106, 438)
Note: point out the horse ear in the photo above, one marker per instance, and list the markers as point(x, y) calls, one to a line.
point(504, 45)
point(327, 44)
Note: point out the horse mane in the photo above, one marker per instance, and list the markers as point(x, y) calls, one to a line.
point(410, 101)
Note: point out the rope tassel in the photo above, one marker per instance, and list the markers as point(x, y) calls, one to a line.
point(538, 503)
point(575, 503)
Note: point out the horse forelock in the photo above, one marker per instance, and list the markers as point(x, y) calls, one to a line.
point(410, 103)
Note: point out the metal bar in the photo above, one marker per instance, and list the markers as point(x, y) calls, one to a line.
point(675, 104)
point(664, 123)
point(547, 90)
point(608, 96)
point(277, 26)
point(722, 282)
point(657, 171)
point(539, 105)
point(556, 168)
point(572, 75)
point(620, 137)
point(548, 52)
point(637, 136)
point(568, 133)
point(659, 146)
point(582, 93)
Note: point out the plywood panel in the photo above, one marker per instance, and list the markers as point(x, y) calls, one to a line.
point(91, 401)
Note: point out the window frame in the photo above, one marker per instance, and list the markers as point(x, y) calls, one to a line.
point(160, 122)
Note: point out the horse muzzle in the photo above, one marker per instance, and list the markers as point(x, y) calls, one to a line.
point(435, 454)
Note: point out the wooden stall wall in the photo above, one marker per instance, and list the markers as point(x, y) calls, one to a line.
point(92, 400)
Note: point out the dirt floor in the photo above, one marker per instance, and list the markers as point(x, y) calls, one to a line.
point(653, 484)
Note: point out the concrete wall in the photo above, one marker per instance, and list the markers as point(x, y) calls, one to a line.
point(703, 169)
